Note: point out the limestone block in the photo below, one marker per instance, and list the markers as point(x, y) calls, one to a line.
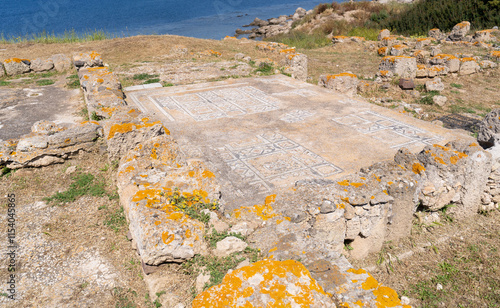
point(330, 228)
point(398, 50)
point(249, 285)
point(344, 83)
point(298, 65)
point(468, 66)
point(437, 70)
point(434, 85)
point(96, 79)
point(487, 64)
point(450, 61)
point(422, 56)
point(32, 143)
point(402, 66)
point(439, 100)
point(16, 66)
point(435, 33)
point(45, 127)
point(388, 41)
point(229, 245)
point(485, 35)
point(489, 129)
point(41, 65)
point(61, 62)
point(87, 59)
point(495, 55)
point(383, 34)
point(459, 31)
point(422, 42)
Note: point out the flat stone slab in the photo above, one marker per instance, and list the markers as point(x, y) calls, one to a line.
point(20, 108)
point(259, 134)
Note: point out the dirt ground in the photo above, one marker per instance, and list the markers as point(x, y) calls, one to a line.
point(73, 254)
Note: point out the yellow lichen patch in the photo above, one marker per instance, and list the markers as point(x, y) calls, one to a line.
point(382, 51)
point(128, 127)
point(384, 73)
point(344, 183)
point(191, 173)
point(234, 286)
point(473, 144)
point(441, 147)
point(16, 60)
point(108, 110)
point(207, 174)
point(359, 303)
point(273, 249)
point(421, 66)
point(399, 46)
point(288, 50)
point(445, 57)
point(495, 54)
point(467, 59)
point(157, 222)
point(357, 272)
point(328, 77)
point(188, 233)
point(167, 238)
point(386, 297)
point(417, 168)
point(370, 283)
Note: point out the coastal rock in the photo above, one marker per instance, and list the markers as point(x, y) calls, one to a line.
point(61, 62)
point(300, 12)
point(42, 65)
point(434, 85)
point(16, 66)
point(298, 66)
point(259, 22)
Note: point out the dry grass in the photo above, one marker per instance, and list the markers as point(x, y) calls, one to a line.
point(462, 256)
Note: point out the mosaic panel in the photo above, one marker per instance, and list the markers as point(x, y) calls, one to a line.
point(388, 130)
point(216, 104)
point(271, 159)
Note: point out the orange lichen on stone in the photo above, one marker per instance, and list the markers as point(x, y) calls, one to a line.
point(157, 222)
point(128, 127)
point(167, 238)
point(425, 39)
point(16, 60)
point(437, 68)
point(467, 59)
point(288, 50)
point(232, 290)
point(207, 174)
point(400, 46)
point(495, 53)
point(382, 51)
point(445, 56)
point(384, 73)
point(108, 110)
point(329, 77)
point(418, 168)
point(392, 59)
point(264, 211)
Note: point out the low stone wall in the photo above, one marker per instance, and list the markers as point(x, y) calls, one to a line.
point(16, 66)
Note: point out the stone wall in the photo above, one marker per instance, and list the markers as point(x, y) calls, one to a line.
point(16, 66)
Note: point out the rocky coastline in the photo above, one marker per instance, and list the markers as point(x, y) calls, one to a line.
point(272, 26)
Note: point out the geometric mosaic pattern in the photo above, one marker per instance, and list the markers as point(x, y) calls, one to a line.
point(271, 159)
point(215, 104)
point(296, 116)
point(388, 130)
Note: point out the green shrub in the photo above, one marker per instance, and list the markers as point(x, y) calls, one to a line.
point(369, 34)
point(444, 14)
point(378, 17)
point(303, 40)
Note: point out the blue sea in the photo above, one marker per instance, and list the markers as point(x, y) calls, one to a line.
point(212, 19)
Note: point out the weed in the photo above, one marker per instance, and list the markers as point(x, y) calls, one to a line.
point(426, 99)
point(192, 206)
point(4, 83)
point(6, 172)
point(122, 297)
point(153, 80)
point(456, 85)
point(45, 82)
point(84, 285)
point(265, 69)
point(144, 76)
point(46, 38)
point(303, 40)
point(84, 113)
point(83, 184)
point(116, 220)
point(168, 84)
point(461, 109)
point(217, 267)
point(73, 82)
point(95, 117)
